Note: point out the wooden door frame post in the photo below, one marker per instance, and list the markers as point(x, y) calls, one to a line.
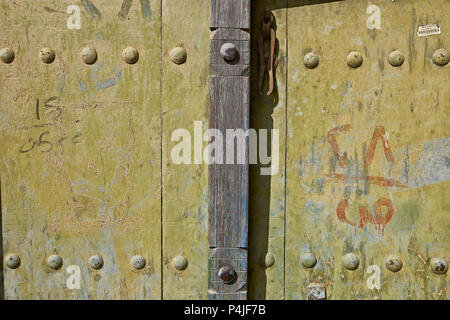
point(228, 183)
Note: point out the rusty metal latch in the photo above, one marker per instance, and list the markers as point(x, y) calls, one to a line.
point(267, 34)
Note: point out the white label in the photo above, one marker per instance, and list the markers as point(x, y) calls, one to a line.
point(74, 280)
point(74, 20)
point(374, 281)
point(374, 20)
point(428, 30)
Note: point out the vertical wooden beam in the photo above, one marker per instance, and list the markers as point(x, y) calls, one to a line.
point(228, 183)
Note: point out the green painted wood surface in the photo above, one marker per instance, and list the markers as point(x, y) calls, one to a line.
point(99, 189)
point(185, 187)
point(108, 186)
point(267, 193)
point(406, 108)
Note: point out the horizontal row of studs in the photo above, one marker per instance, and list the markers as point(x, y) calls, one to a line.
point(55, 262)
point(351, 262)
point(354, 59)
point(89, 55)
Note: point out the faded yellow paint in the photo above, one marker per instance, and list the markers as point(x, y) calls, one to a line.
point(406, 108)
point(103, 194)
point(108, 185)
point(185, 99)
point(97, 193)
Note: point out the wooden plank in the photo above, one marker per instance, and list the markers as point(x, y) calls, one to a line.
point(230, 14)
point(185, 186)
point(83, 177)
point(267, 192)
point(367, 140)
point(235, 257)
point(228, 182)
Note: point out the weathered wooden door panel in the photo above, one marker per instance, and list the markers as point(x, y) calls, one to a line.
point(86, 164)
point(185, 105)
point(81, 150)
point(87, 151)
point(267, 192)
point(367, 150)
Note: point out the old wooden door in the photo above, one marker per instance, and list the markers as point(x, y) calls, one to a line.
point(359, 206)
point(92, 205)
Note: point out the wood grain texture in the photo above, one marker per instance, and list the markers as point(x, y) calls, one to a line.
point(230, 14)
point(235, 257)
point(228, 183)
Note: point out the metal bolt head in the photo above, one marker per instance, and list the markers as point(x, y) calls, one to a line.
point(441, 57)
point(396, 58)
point(47, 55)
point(7, 55)
point(138, 262)
point(393, 263)
point(130, 55)
point(227, 274)
point(311, 60)
point(89, 55)
point(229, 52)
point(178, 55)
point(439, 265)
point(55, 262)
point(180, 263)
point(309, 260)
point(354, 59)
point(350, 261)
point(269, 260)
point(96, 262)
point(12, 261)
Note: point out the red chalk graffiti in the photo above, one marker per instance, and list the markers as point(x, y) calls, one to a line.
point(366, 217)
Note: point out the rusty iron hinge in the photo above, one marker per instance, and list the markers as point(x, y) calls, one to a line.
point(267, 34)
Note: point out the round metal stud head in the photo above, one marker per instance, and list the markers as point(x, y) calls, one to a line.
point(55, 262)
point(350, 261)
point(393, 263)
point(89, 55)
point(178, 55)
point(354, 59)
point(396, 58)
point(309, 260)
point(96, 262)
point(441, 57)
point(311, 60)
point(269, 260)
point(47, 55)
point(138, 262)
point(229, 52)
point(439, 265)
point(180, 263)
point(12, 261)
point(7, 55)
point(227, 274)
point(130, 55)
